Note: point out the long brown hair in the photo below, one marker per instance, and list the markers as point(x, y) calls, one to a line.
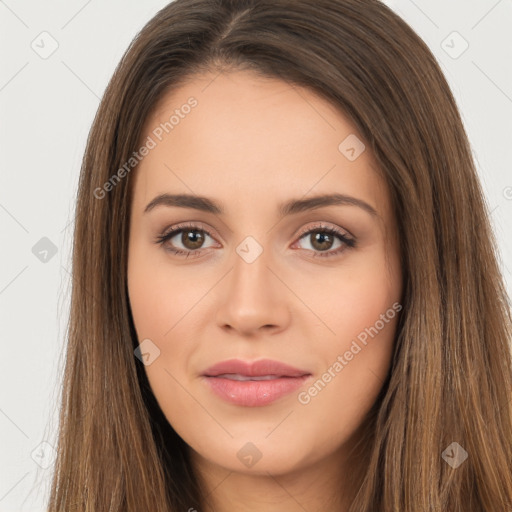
point(451, 374)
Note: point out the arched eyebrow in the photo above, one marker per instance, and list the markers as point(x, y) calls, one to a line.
point(291, 207)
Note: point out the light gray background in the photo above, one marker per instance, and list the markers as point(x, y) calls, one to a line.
point(46, 109)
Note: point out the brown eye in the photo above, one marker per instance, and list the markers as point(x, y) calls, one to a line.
point(192, 238)
point(325, 241)
point(186, 240)
point(321, 241)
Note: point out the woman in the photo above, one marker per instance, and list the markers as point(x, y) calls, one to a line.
point(285, 287)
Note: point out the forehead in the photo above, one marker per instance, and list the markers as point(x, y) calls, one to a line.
point(250, 140)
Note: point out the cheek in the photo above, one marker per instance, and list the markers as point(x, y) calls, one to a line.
point(166, 305)
point(353, 296)
point(360, 305)
point(161, 296)
point(161, 302)
point(353, 372)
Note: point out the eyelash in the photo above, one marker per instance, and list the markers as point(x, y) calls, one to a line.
point(349, 243)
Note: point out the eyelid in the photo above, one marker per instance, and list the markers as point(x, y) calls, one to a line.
point(323, 225)
point(198, 225)
point(192, 225)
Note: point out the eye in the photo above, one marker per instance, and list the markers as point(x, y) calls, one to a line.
point(191, 237)
point(188, 240)
point(326, 241)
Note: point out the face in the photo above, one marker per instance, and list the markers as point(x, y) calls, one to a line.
point(281, 247)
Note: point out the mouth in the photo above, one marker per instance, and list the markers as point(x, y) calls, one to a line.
point(253, 384)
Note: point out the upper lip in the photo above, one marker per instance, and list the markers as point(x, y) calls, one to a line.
point(254, 368)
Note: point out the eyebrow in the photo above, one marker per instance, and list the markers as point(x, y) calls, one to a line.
point(290, 207)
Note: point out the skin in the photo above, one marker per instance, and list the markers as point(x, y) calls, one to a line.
point(250, 144)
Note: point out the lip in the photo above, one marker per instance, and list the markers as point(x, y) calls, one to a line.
point(254, 368)
point(282, 380)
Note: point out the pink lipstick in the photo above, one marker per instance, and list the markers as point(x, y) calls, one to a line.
point(253, 384)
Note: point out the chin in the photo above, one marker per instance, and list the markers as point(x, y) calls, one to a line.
point(258, 457)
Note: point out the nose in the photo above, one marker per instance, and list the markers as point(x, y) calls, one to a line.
point(253, 298)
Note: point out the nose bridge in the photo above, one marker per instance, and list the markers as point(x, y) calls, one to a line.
point(250, 274)
point(253, 298)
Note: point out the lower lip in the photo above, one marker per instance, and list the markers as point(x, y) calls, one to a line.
point(254, 393)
